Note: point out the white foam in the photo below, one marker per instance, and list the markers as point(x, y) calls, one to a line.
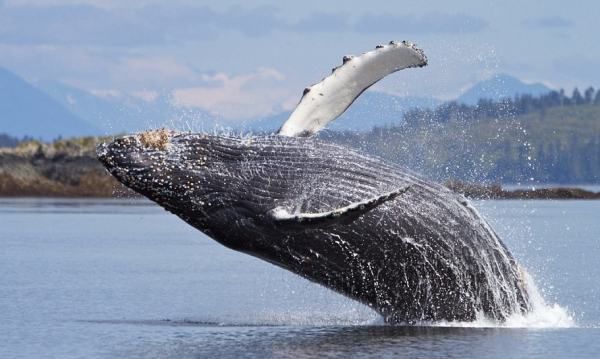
point(542, 315)
point(351, 317)
point(356, 316)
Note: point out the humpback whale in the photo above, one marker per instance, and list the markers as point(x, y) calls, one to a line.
point(373, 231)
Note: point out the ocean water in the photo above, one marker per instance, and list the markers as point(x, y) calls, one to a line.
point(124, 279)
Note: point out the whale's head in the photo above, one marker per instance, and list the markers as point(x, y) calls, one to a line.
point(221, 185)
point(245, 191)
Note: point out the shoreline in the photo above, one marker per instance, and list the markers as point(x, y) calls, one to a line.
point(481, 191)
point(141, 200)
point(69, 169)
point(100, 185)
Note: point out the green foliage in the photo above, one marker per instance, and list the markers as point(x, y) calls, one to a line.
point(522, 140)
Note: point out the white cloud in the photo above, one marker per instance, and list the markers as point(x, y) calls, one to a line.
point(154, 70)
point(98, 3)
point(160, 46)
point(105, 93)
point(146, 95)
point(549, 22)
point(245, 96)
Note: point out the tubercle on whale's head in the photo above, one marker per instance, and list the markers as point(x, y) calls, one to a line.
point(157, 139)
point(131, 159)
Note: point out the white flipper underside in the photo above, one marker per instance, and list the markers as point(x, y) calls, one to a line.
point(281, 217)
point(325, 101)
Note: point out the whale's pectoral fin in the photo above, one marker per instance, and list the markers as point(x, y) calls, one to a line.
point(280, 216)
point(325, 101)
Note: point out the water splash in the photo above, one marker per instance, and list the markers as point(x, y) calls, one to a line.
point(542, 314)
point(352, 316)
point(345, 317)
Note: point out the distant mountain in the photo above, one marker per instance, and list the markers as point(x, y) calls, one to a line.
point(371, 109)
point(374, 108)
point(499, 87)
point(122, 113)
point(51, 109)
point(27, 111)
point(379, 109)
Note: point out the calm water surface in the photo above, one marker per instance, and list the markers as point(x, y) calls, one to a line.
point(113, 278)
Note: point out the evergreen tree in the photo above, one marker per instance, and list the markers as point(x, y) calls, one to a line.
point(589, 95)
point(564, 100)
point(577, 98)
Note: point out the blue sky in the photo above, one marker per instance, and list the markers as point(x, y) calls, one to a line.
point(250, 59)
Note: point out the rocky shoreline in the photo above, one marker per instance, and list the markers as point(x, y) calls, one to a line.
point(66, 168)
point(478, 191)
point(69, 168)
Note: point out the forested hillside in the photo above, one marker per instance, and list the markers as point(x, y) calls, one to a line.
point(552, 138)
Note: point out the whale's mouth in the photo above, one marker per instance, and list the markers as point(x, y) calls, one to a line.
point(134, 151)
point(120, 153)
point(105, 154)
point(131, 159)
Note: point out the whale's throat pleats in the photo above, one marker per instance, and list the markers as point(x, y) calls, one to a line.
point(292, 175)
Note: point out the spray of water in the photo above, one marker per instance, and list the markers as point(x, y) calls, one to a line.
point(542, 314)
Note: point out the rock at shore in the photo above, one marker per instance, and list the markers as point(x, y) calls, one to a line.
point(66, 168)
point(69, 168)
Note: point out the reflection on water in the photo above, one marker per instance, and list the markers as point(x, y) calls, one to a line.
point(106, 278)
point(75, 206)
point(366, 341)
point(533, 186)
